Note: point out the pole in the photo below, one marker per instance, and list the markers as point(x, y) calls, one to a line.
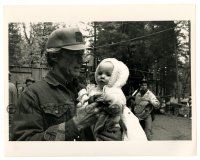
point(86, 70)
point(189, 25)
point(190, 54)
point(156, 71)
point(94, 50)
point(177, 79)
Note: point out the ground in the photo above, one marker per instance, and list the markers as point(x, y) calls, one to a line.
point(171, 127)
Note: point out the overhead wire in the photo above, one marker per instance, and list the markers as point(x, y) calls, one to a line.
point(133, 39)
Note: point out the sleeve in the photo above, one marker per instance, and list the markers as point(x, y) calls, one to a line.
point(61, 132)
point(29, 124)
point(154, 101)
point(110, 136)
point(107, 133)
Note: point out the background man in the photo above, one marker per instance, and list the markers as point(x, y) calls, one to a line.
point(29, 81)
point(144, 96)
point(12, 102)
point(12, 92)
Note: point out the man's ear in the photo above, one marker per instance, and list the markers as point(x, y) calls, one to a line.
point(54, 57)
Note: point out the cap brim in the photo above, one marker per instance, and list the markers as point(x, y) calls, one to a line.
point(75, 47)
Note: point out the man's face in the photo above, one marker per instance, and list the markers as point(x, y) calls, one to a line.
point(104, 74)
point(143, 87)
point(70, 62)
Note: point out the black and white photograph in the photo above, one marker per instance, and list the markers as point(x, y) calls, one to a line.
point(100, 80)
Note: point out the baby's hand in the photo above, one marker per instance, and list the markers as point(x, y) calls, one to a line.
point(114, 109)
point(95, 96)
point(100, 98)
point(81, 93)
point(84, 101)
point(82, 98)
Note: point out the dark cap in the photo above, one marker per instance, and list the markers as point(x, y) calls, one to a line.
point(144, 80)
point(30, 80)
point(67, 38)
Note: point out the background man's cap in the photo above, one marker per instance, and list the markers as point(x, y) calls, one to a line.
point(67, 38)
point(144, 80)
point(30, 80)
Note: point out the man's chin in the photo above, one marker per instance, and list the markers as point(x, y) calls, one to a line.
point(71, 75)
point(76, 75)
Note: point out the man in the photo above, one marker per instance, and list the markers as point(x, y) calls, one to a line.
point(28, 82)
point(47, 109)
point(145, 100)
point(12, 102)
point(12, 92)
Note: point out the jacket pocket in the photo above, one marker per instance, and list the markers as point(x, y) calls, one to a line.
point(56, 109)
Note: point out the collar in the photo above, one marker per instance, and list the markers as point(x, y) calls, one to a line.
point(55, 79)
point(144, 93)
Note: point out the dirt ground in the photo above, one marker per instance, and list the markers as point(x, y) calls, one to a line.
point(170, 127)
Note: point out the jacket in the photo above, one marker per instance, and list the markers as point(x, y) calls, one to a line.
point(44, 112)
point(149, 96)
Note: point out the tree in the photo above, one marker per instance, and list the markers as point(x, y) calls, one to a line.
point(32, 42)
point(184, 55)
point(14, 42)
point(158, 50)
point(148, 48)
point(35, 38)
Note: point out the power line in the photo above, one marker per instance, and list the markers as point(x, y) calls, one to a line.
point(133, 39)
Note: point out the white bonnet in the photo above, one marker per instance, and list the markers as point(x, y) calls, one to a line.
point(119, 75)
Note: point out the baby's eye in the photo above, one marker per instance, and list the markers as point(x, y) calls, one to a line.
point(99, 73)
point(108, 74)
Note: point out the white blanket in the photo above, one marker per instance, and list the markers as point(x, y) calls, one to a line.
point(134, 129)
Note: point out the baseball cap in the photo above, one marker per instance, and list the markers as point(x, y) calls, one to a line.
point(67, 38)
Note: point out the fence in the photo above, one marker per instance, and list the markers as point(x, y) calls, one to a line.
point(21, 73)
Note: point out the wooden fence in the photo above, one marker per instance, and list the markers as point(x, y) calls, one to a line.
point(21, 73)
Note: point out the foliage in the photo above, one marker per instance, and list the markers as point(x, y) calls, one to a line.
point(15, 39)
point(149, 48)
point(146, 51)
point(31, 47)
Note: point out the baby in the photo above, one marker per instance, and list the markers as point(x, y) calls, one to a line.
point(110, 76)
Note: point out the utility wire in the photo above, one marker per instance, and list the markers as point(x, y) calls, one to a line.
point(133, 39)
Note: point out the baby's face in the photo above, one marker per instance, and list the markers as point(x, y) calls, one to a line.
point(104, 74)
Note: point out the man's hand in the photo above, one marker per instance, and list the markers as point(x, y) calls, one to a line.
point(86, 116)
